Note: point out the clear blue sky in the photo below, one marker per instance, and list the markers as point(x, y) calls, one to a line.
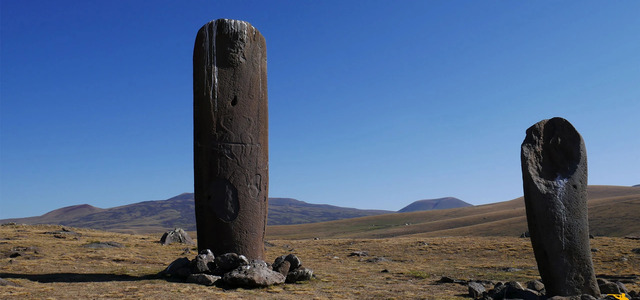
point(373, 104)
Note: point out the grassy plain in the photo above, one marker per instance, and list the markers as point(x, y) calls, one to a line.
point(613, 211)
point(51, 267)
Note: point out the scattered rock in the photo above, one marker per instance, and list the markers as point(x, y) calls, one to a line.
point(203, 263)
point(359, 253)
point(24, 252)
point(608, 287)
point(445, 279)
point(229, 261)
point(636, 250)
point(204, 279)
point(294, 261)
point(377, 260)
point(475, 289)
point(4, 282)
point(512, 290)
point(535, 285)
point(282, 267)
point(595, 249)
point(253, 275)
point(525, 234)
point(299, 274)
point(63, 233)
point(179, 268)
point(622, 287)
point(9, 224)
point(98, 245)
point(236, 271)
point(178, 235)
point(510, 269)
point(632, 237)
point(384, 271)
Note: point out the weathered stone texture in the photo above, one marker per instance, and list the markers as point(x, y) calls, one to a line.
point(230, 138)
point(554, 173)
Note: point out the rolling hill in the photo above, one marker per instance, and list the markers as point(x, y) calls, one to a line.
point(613, 211)
point(179, 211)
point(433, 204)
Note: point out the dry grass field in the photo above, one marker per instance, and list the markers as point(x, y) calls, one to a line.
point(59, 266)
point(613, 211)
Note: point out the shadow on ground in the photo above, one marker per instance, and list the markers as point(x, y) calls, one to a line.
point(77, 277)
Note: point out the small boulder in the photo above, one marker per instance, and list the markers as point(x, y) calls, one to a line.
point(535, 285)
point(102, 245)
point(294, 261)
point(359, 253)
point(608, 287)
point(203, 263)
point(204, 279)
point(229, 261)
point(622, 287)
point(179, 268)
point(378, 260)
point(253, 275)
point(475, 289)
point(177, 235)
point(283, 267)
point(299, 274)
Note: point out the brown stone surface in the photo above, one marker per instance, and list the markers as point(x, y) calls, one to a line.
point(554, 173)
point(230, 138)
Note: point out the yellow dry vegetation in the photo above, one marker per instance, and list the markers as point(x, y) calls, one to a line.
point(60, 267)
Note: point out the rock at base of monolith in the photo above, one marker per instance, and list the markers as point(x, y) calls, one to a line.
point(253, 275)
point(204, 279)
point(203, 263)
point(178, 268)
point(554, 174)
point(229, 261)
point(178, 235)
point(230, 138)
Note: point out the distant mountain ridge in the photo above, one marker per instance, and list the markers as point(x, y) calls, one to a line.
point(179, 211)
point(433, 204)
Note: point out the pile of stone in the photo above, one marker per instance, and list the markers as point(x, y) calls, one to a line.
point(236, 271)
point(535, 290)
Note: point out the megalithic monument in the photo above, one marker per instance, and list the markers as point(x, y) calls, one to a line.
point(230, 123)
point(554, 175)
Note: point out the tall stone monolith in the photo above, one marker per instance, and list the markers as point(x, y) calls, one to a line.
point(230, 138)
point(554, 175)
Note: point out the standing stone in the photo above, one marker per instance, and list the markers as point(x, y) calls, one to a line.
point(230, 138)
point(554, 175)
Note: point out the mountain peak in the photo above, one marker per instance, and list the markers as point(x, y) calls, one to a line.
point(432, 204)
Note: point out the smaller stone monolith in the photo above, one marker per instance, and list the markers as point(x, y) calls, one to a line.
point(554, 175)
